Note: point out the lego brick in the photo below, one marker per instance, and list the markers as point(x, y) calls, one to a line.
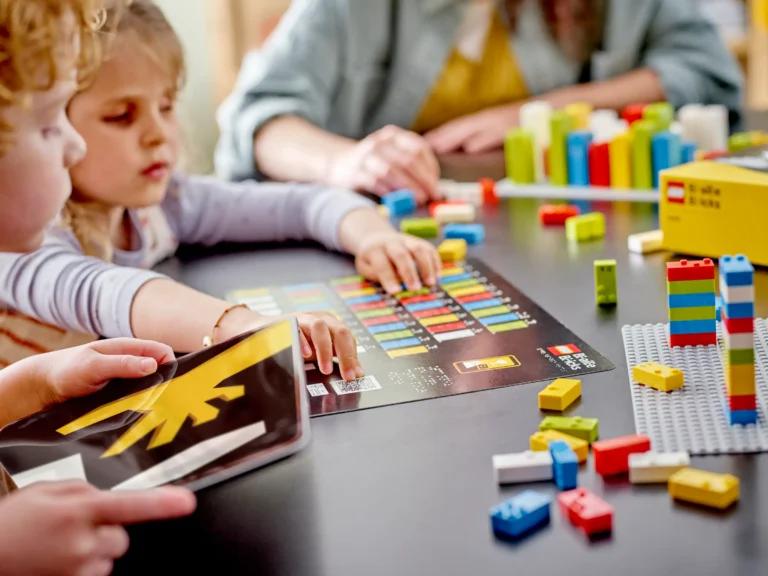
point(658, 376)
point(518, 154)
point(736, 270)
point(660, 113)
point(694, 313)
point(421, 227)
point(520, 514)
point(620, 151)
point(736, 294)
point(466, 192)
point(633, 112)
point(687, 152)
point(692, 326)
point(652, 467)
point(718, 307)
point(642, 132)
point(525, 466)
point(690, 300)
point(645, 242)
point(739, 310)
point(535, 116)
point(560, 394)
point(579, 112)
point(739, 141)
point(557, 214)
point(599, 164)
point(740, 380)
point(681, 340)
point(433, 205)
point(691, 286)
point(612, 456)
point(453, 250)
point(705, 488)
point(448, 213)
point(742, 417)
point(744, 402)
point(400, 202)
point(691, 270)
point(739, 341)
point(586, 511)
point(738, 356)
point(584, 428)
point(561, 123)
point(585, 227)
point(737, 325)
point(540, 441)
point(565, 465)
point(605, 282)
point(665, 153)
point(471, 233)
point(577, 150)
point(488, 190)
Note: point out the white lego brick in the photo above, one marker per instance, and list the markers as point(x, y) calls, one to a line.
point(736, 294)
point(645, 242)
point(713, 127)
point(525, 466)
point(455, 213)
point(470, 192)
point(689, 117)
point(738, 341)
point(535, 117)
point(652, 467)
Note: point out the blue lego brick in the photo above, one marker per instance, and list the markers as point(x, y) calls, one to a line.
point(692, 326)
point(736, 270)
point(739, 310)
point(455, 278)
point(421, 306)
point(577, 150)
point(691, 300)
point(393, 327)
point(565, 465)
point(480, 304)
point(520, 514)
point(687, 152)
point(472, 233)
point(500, 319)
point(404, 343)
point(400, 202)
point(718, 308)
point(363, 299)
point(741, 416)
point(665, 153)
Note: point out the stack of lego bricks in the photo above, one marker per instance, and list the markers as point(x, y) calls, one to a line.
point(738, 293)
point(691, 295)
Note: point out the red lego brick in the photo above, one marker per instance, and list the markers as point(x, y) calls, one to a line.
point(633, 113)
point(488, 186)
point(748, 402)
point(586, 511)
point(612, 456)
point(737, 325)
point(680, 340)
point(691, 270)
point(381, 320)
point(431, 312)
point(415, 299)
point(433, 205)
point(369, 306)
point(714, 154)
point(557, 214)
point(599, 165)
point(440, 328)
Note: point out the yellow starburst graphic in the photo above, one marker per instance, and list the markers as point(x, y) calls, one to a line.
point(167, 406)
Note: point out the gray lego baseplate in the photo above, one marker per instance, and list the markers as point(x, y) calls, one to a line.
point(693, 418)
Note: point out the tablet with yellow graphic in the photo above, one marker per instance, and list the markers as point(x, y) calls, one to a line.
point(202, 419)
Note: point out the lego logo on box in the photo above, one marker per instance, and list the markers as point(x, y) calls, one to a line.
point(676, 192)
point(564, 349)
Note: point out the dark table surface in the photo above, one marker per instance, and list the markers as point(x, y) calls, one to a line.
point(406, 489)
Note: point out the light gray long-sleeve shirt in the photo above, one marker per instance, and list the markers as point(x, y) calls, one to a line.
point(59, 285)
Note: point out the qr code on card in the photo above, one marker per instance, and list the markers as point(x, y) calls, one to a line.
point(317, 390)
point(363, 384)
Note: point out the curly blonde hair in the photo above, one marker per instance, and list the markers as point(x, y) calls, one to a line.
point(32, 40)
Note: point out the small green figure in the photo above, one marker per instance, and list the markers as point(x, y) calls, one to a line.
point(605, 283)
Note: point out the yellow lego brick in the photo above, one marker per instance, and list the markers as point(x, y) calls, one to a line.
point(705, 488)
point(619, 152)
point(740, 379)
point(442, 319)
point(560, 394)
point(579, 112)
point(540, 441)
point(453, 250)
point(658, 376)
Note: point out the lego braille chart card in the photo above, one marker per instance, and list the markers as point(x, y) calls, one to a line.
point(200, 420)
point(474, 332)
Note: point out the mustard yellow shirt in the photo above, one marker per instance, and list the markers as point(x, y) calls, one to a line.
point(466, 86)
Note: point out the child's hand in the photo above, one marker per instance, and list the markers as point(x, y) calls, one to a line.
point(71, 528)
point(390, 159)
point(391, 259)
point(475, 133)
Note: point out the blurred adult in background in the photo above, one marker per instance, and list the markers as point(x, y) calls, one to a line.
point(365, 94)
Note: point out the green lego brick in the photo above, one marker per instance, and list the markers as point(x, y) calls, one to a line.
point(660, 113)
point(741, 356)
point(693, 313)
point(585, 227)
point(642, 133)
point(740, 141)
point(375, 313)
point(518, 155)
point(605, 282)
point(460, 284)
point(496, 310)
point(584, 428)
point(691, 286)
point(410, 293)
point(421, 227)
point(387, 336)
point(561, 123)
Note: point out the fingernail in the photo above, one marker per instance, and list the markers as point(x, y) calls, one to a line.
point(327, 368)
point(147, 366)
point(349, 374)
point(359, 372)
point(307, 351)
